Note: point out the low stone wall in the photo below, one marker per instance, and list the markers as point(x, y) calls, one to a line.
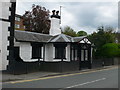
point(61, 66)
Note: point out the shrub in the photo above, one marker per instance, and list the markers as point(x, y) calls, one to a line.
point(110, 50)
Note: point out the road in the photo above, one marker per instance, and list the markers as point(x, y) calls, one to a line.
point(107, 78)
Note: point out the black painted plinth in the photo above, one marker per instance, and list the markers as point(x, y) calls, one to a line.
point(16, 67)
point(60, 66)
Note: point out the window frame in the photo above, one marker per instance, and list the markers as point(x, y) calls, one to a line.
point(74, 52)
point(17, 19)
point(17, 26)
point(36, 51)
point(59, 48)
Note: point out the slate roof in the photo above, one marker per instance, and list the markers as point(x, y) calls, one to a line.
point(31, 36)
point(38, 37)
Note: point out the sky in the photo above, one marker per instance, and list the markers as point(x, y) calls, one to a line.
point(86, 16)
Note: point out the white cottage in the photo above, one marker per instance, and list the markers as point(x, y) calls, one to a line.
point(54, 52)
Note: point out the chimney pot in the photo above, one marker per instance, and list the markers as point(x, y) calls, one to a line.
point(53, 12)
point(57, 12)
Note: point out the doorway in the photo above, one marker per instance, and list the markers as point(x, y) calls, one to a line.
point(84, 56)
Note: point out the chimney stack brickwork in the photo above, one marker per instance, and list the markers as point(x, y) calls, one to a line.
point(55, 23)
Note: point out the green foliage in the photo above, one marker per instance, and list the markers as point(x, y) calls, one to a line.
point(102, 37)
point(69, 31)
point(81, 33)
point(110, 50)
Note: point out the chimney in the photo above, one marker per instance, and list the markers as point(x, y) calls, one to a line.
point(55, 23)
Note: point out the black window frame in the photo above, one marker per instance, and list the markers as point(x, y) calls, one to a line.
point(60, 51)
point(36, 51)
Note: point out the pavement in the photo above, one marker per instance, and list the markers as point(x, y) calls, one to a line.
point(102, 78)
point(10, 77)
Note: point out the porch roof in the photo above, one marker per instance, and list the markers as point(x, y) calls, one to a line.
point(61, 38)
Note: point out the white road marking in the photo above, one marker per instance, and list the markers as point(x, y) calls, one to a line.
point(86, 83)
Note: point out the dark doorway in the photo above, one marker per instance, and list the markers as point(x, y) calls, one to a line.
point(16, 54)
point(84, 52)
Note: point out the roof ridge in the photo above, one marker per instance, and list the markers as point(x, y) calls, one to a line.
point(65, 38)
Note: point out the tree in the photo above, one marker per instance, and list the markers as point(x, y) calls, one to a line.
point(81, 33)
point(118, 37)
point(69, 31)
point(103, 36)
point(37, 20)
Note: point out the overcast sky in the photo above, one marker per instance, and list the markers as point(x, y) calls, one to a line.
point(85, 16)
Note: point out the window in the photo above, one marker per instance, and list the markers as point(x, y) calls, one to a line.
point(17, 19)
point(74, 53)
point(86, 55)
point(17, 26)
point(36, 51)
point(60, 51)
point(82, 55)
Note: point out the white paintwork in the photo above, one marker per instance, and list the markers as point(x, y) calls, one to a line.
point(4, 14)
point(3, 47)
point(5, 9)
point(0, 46)
point(26, 52)
point(49, 52)
point(42, 53)
point(0, 50)
point(85, 40)
point(55, 26)
point(89, 82)
point(67, 53)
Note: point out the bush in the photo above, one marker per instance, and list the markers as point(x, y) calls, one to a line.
point(110, 50)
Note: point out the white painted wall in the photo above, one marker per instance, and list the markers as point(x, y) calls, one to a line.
point(50, 53)
point(26, 52)
point(0, 46)
point(4, 13)
point(55, 26)
point(67, 53)
point(5, 9)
